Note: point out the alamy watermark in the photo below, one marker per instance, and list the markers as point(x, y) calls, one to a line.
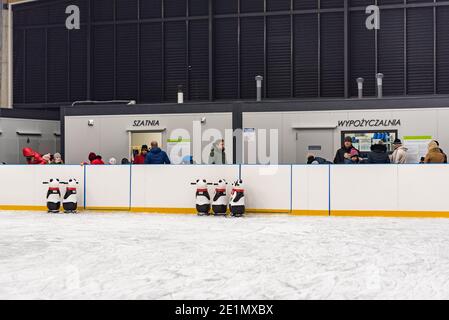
point(73, 21)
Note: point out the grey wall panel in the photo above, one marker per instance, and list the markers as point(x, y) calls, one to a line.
point(175, 60)
point(251, 6)
point(306, 56)
point(78, 65)
point(97, 54)
point(362, 54)
point(103, 71)
point(326, 4)
point(332, 55)
point(198, 7)
point(420, 53)
point(442, 53)
point(251, 55)
point(126, 9)
point(102, 10)
point(127, 62)
point(57, 64)
point(175, 8)
point(35, 78)
point(198, 60)
point(11, 143)
point(19, 66)
point(305, 4)
point(357, 3)
point(391, 51)
point(150, 9)
point(226, 58)
point(225, 7)
point(278, 5)
point(151, 66)
point(278, 80)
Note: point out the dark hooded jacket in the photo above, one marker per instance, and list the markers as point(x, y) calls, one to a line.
point(157, 156)
point(340, 155)
point(378, 154)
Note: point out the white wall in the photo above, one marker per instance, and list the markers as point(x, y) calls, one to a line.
point(414, 122)
point(109, 135)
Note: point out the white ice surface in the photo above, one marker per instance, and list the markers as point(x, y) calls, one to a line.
point(130, 256)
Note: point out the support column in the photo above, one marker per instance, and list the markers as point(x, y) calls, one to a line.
point(4, 57)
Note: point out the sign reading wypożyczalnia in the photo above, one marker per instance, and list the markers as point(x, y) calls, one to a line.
point(363, 123)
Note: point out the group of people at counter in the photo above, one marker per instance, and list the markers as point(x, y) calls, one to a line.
point(348, 154)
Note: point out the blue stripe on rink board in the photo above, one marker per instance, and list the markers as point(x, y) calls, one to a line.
point(84, 187)
point(329, 191)
point(130, 184)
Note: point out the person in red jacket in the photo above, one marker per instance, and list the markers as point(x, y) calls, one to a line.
point(92, 157)
point(140, 159)
point(32, 156)
point(98, 160)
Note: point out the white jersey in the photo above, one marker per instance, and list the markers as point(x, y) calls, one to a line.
point(220, 198)
point(237, 198)
point(70, 196)
point(202, 197)
point(53, 195)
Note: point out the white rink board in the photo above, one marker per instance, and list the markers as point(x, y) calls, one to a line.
point(18, 185)
point(354, 189)
point(364, 187)
point(423, 187)
point(22, 185)
point(267, 187)
point(162, 186)
point(310, 188)
point(108, 186)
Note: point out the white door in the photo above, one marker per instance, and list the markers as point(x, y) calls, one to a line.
point(319, 142)
point(138, 139)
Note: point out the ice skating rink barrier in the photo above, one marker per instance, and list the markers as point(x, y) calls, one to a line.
point(339, 190)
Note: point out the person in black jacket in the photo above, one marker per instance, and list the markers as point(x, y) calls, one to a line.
point(345, 151)
point(378, 154)
point(311, 159)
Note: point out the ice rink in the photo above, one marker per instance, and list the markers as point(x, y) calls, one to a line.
point(130, 256)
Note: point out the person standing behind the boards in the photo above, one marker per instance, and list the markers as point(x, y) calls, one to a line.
point(378, 154)
point(217, 153)
point(434, 154)
point(156, 155)
point(399, 155)
point(140, 158)
point(344, 153)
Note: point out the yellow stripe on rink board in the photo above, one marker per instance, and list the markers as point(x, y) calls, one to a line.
point(390, 214)
point(22, 208)
point(164, 210)
point(310, 213)
point(267, 211)
point(335, 213)
point(108, 208)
